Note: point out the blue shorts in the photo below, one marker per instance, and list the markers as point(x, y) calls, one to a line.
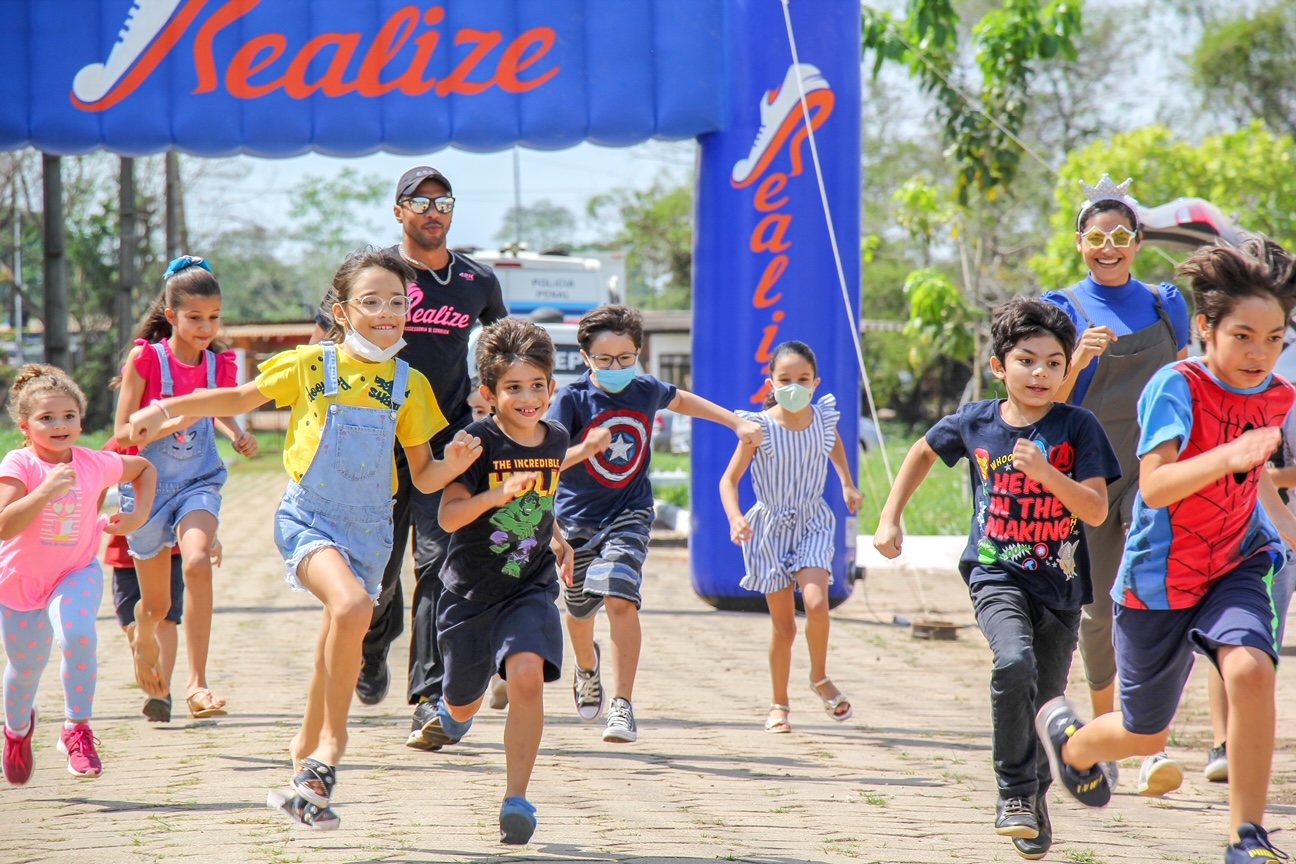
point(608, 562)
point(126, 592)
point(1154, 647)
point(476, 638)
point(159, 533)
point(306, 523)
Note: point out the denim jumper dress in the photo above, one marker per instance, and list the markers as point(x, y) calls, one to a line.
point(189, 468)
point(344, 499)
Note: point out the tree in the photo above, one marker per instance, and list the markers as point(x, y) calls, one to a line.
point(327, 230)
point(1243, 66)
point(655, 225)
point(541, 226)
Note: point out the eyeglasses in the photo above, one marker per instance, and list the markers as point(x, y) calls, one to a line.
point(610, 361)
point(420, 204)
point(372, 305)
point(1120, 237)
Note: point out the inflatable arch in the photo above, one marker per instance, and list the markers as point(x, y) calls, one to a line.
point(350, 77)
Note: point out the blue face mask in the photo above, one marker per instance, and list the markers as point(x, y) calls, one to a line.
point(793, 397)
point(614, 380)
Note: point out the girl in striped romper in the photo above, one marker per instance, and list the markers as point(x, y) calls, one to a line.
point(787, 538)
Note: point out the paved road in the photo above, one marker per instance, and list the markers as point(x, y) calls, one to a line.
point(907, 780)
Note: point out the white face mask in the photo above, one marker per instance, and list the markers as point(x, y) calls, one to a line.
point(361, 348)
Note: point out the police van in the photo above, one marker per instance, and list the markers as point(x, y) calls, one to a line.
point(571, 284)
point(568, 365)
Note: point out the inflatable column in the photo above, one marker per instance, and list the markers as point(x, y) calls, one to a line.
point(764, 269)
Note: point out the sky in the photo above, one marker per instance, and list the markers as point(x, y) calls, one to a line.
point(244, 189)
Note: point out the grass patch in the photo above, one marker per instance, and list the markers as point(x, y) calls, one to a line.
point(942, 504)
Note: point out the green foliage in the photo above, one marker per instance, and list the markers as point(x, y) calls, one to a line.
point(1249, 172)
point(256, 283)
point(941, 505)
point(1243, 65)
point(655, 225)
point(326, 230)
point(941, 323)
point(542, 225)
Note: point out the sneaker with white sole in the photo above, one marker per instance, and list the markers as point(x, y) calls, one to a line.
point(78, 744)
point(621, 727)
point(588, 692)
point(1160, 775)
point(1217, 764)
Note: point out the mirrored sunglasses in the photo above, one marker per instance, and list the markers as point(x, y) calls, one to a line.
point(421, 203)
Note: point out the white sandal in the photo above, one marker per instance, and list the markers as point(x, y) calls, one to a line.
point(831, 705)
point(778, 726)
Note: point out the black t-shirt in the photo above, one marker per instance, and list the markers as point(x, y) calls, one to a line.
point(1021, 532)
point(436, 331)
point(507, 548)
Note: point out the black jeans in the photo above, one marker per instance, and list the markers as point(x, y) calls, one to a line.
point(1032, 648)
point(412, 509)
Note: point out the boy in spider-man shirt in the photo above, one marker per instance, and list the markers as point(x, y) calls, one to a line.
point(1201, 554)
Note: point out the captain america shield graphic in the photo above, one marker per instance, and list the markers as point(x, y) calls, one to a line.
point(622, 461)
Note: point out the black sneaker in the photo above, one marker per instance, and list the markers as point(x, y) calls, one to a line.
point(1056, 722)
point(423, 714)
point(1015, 817)
point(1037, 847)
point(375, 680)
point(440, 729)
point(1253, 845)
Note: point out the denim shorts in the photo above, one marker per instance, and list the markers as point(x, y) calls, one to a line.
point(159, 533)
point(126, 593)
point(306, 523)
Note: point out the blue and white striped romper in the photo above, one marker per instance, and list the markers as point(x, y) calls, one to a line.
point(792, 526)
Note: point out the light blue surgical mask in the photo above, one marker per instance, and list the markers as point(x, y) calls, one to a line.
point(615, 380)
point(793, 397)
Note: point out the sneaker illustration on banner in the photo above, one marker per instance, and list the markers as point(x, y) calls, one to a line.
point(144, 22)
point(780, 112)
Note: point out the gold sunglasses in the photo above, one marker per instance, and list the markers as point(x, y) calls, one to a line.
point(1119, 237)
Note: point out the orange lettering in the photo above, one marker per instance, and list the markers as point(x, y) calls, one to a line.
point(412, 83)
point(204, 60)
point(391, 39)
point(763, 353)
point(156, 53)
point(775, 240)
point(820, 104)
point(771, 185)
point(248, 62)
point(486, 42)
point(774, 271)
point(758, 398)
point(344, 47)
point(515, 60)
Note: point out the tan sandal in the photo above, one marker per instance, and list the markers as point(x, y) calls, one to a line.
point(833, 706)
point(778, 725)
point(206, 707)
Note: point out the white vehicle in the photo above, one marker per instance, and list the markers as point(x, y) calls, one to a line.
point(572, 285)
point(568, 365)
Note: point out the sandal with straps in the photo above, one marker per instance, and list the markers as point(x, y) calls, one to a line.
point(303, 812)
point(778, 725)
point(313, 776)
point(833, 706)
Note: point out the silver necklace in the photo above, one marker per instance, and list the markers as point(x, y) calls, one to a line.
point(421, 266)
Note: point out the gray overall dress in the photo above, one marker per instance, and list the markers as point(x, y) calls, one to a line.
point(1123, 371)
point(344, 500)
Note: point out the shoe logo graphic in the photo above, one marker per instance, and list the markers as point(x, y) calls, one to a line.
point(145, 23)
point(781, 115)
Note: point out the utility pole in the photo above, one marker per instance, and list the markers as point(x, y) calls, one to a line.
point(173, 205)
point(517, 200)
point(56, 293)
point(17, 307)
point(124, 310)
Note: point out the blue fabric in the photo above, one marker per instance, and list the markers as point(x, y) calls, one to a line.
point(1127, 309)
point(597, 490)
point(1020, 531)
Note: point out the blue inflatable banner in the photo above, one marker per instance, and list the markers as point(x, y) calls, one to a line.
point(349, 77)
point(764, 271)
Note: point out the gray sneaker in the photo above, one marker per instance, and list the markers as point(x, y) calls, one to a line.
point(1217, 764)
point(587, 690)
point(621, 723)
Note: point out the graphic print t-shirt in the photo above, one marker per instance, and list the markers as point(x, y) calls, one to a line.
point(1021, 532)
point(607, 484)
point(437, 325)
point(507, 548)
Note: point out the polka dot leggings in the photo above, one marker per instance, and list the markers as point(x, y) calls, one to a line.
point(28, 636)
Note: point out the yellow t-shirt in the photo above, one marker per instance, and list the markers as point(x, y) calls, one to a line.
point(296, 378)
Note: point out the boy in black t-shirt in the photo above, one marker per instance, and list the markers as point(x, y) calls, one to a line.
point(1038, 468)
point(499, 612)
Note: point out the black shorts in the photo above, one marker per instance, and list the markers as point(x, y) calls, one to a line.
point(126, 592)
point(476, 638)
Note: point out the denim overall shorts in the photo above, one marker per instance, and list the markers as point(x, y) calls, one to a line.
point(190, 472)
point(344, 499)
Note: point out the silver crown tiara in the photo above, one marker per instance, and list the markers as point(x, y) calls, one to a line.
point(1106, 190)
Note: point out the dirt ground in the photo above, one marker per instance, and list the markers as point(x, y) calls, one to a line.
point(908, 779)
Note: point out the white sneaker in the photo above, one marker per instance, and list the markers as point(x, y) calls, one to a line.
point(144, 22)
point(780, 111)
point(1159, 776)
point(588, 692)
point(498, 693)
point(621, 727)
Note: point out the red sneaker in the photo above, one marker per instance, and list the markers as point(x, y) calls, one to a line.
point(79, 745)
point(19, 761)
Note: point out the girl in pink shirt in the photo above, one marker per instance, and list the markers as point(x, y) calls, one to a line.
point(50, 579)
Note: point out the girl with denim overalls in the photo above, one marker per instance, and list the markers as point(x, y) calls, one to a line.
point(173, 356)
point(350, 402)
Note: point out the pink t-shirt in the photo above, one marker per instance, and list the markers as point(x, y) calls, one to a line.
point(187, 378)
point(64, 537)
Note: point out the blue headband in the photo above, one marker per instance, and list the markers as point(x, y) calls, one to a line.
point(184, 262)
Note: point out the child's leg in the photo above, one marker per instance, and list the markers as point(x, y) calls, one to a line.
point(306, 740)
point(814, 598)
point(72, 610)
point(525, 724)
point(1249, 681)
point(782, 609)
point(155, 601)
point(582, 608)
point(581, 633)
point(627, 640)
point(348, 609)
point(1219, 707)
point(28, 638)
point(196, 530)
